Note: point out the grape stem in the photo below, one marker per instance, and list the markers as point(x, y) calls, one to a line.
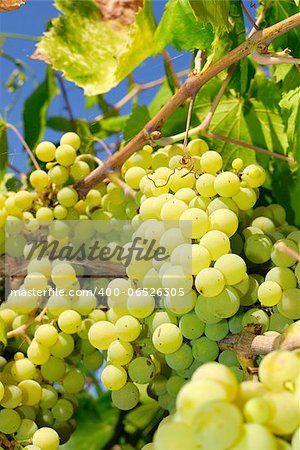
point(128, 191)
point(103, 145)
point(21, 330)
point(66, 99)
point(3, 440)
point(200, 129)
point(250, 146)
point(190, 88)
point(25, 145)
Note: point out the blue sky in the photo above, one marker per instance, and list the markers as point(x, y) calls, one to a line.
point(31, 20)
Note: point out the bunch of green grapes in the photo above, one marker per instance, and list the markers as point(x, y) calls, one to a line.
point(233, 265)
point(213, 411)
point(272, 246)
point(53, 196)
point(198, 216)
point(39, 379)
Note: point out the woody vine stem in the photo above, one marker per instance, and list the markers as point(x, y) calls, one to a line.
point(257, 43)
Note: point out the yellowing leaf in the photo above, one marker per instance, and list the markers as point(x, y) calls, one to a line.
point(94, 53)
point(214, 11)
point(9, 5)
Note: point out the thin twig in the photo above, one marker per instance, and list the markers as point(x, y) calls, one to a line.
point(207, 121)
point(128, 191)
point(187, 90)
point(255, 26)
point(260, 17)
point(93, 158)
point(25, 145)
point(104, 146)
point(66, 99)
point(250, 146)
point(282, 247)
point(25, 37)
point(21, 174)
point(137, 89)
point(168, 63)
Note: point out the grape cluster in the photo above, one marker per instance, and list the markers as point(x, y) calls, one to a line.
point(213, 411)
point(235, 264)
point(53, 196)
point(226, 288)
point(39, 381)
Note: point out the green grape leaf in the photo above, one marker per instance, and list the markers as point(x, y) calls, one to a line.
point(3, 337)
point(86, 137)
point(181, 28)
point(266, 91)
point(136, 122)
point(96, 52)
point(35, 109)
point(98, 100)
point(3, 150)
point(214, 11)
point(288, 75)
point(249, 121)
point(143, 418)
point(285, 188)
point(170, 78)
point(91, 101)
point(290, 105)
point(59, 123)
point(113, 124)
point(177, 121)
point(244, 71)
point(280, 10)
point(286, 185)
point(163, 95)
point(97, 420)
point(10, 183)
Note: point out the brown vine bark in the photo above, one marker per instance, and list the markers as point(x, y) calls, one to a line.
point(258, 41)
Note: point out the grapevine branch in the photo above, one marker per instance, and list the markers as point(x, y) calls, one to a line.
point(207, 120)
point(25, 145)
point(250, 343)
point(261, 39)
